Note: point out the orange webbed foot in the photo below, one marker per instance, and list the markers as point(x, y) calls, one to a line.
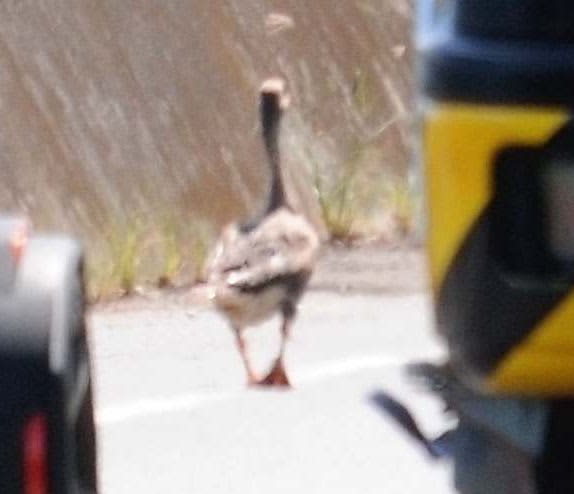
point(276, 377)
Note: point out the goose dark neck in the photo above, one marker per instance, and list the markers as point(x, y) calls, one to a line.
point(270, 119)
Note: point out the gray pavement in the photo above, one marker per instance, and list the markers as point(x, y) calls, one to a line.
point(175, 417)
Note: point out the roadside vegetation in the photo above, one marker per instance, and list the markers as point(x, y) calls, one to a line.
point(140, 253)
point(361, 205)
point(358, 204)
point(363, 197)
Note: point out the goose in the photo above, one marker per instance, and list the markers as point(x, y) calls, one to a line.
point(261, 267)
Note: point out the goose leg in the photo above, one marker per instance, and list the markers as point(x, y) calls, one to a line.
point(251, 378)
point(277, 375)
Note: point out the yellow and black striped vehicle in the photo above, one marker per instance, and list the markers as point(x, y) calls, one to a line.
point(498, 86)
point(497, 119)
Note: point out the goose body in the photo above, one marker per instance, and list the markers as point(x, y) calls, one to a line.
point(258, 271)
point(261, 268)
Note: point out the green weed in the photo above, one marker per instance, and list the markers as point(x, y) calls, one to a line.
point(124, 246)
point(172, 255)
point(356, 196)
point(148, 252)
point(337, 197)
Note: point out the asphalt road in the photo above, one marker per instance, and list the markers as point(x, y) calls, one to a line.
point(175, 417)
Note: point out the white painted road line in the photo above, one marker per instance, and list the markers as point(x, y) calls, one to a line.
point(116, 414)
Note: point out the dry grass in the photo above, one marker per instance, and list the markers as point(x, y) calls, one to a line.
point(146, 252)
point(361, 199)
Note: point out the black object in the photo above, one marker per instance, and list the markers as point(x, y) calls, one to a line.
point(502, 51)
point(554, 472)
point(45, 371)
point(436, 448)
